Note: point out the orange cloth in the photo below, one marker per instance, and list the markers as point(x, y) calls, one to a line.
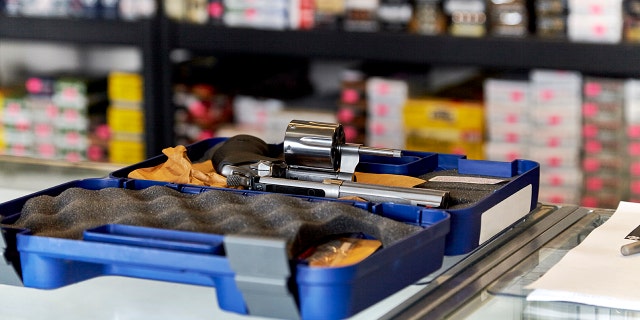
point(391, 180)
point(179, 169)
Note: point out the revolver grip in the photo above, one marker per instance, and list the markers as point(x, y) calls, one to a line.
point(240, 150)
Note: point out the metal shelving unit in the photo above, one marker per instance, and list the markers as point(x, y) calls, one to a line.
point(143, 34)
point(158, 36)
point(77, 31)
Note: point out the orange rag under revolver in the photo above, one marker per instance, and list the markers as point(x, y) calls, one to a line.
point(179, 169)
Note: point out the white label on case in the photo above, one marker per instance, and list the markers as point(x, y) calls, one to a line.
point(505, 213)
point(462, 179)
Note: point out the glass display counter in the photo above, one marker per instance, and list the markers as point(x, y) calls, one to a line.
point(505, 298)
point(487, 283)
point(490, 282)
point(21, 175)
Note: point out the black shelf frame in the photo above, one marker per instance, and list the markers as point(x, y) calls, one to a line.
point(77, 31)
point(492, 52)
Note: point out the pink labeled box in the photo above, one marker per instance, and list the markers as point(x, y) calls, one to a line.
point(557, 137)
point(604, 182)
point(559, 195)
point(498, 151)
point(598, 29)
point(511, 93)
point(603, 163)
point(509, 133)
point(555, 157)
point(564, 177)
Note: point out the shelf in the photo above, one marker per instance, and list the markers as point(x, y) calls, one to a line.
point(143, 34)
point(80, 31)
point(524, 53)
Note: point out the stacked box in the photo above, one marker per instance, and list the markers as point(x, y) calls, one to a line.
point(508, 127)
point(53, 118)
point(44, 115)
point(125, 118)
point(16, 123)
point(429, 18)
point(595, 21)
point(141, 9)
point(215, 10)
point(7, 94)
point(632, 118)
point(445, 126)
point(3, 93)
point(467, 17)
point(385, 102)
point(508, 18)
point(631, 16)
point(175, 9)
point(302, 14)
point(259, 14)
point(352, 108)
point(556, 100)
point(255, 112)
point(84, 8)
point(107, 9)
point(551, 18)
point(603, 118)
point(200, 111)
point(195, 11)
point(395, 15)
point(81, 106)
point(267, 118)
point(279, 15)
point(329, 14)
point(252, 116)
point(361, 15)
point(44, 8)
point(11, 7)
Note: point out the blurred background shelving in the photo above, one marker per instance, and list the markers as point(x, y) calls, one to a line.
point(200, 72)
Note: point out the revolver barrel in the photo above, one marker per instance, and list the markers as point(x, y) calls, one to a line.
point(334, 188)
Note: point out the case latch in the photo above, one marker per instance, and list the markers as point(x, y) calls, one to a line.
point(263, 275)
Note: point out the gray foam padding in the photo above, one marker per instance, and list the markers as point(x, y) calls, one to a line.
point(302, 223)
point(462, 195)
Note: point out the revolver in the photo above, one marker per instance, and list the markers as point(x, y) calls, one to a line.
point(314, 161)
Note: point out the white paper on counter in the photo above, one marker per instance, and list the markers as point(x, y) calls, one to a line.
point(595, 272)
